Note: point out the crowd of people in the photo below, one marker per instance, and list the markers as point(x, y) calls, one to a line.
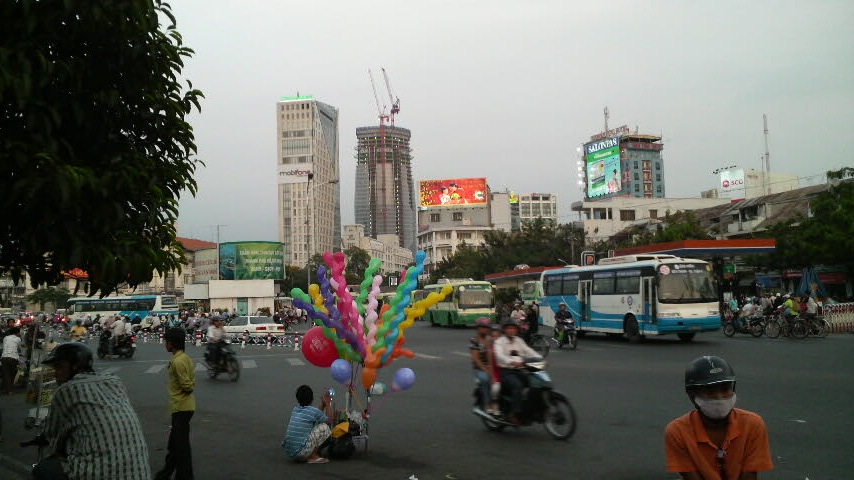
point(788, 305)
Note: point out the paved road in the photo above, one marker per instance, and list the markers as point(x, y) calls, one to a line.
point(624, 394)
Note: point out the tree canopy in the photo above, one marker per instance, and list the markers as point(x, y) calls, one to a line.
point(95, 148)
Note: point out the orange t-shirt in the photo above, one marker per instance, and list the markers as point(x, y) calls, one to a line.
point(689, 448)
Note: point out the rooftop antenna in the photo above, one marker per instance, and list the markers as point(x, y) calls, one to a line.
point(767, 157)
point(606, 118)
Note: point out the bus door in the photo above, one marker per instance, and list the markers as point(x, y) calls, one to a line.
point(584, 289)
point(648, 300)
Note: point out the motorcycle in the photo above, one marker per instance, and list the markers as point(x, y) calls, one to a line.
point(565, 334)
point(541, 404)
point(227, 362)
point(754, 327)
point(126, 346)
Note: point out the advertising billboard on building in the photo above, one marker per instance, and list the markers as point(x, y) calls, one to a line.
point(602, 167)
point(732, 183)
point(293, 173)
point(251, 261)
point(205, 265)
point(453, 192)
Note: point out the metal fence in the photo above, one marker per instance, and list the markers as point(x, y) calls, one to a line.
point(840, 316)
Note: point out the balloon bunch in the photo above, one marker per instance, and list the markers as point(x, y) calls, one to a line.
point(352, 331)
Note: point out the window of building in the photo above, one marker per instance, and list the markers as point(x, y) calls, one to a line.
point(627, 215)
point(463, 235)
point(657, 177)
point(657, 166)
point(637, 177)
point(637, 187)
point(434, 217)
point(658, 189)
point(458, 216)
point(653, 214)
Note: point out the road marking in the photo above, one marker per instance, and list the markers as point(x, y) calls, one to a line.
point(249, 364)
point(462, 354)
point(111, 370)
point(295, 362)
point(156, 368)
point(428, 357)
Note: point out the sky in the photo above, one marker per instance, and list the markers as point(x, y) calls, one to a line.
point(508, 90)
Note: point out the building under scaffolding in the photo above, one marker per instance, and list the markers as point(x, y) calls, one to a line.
point(385, 193)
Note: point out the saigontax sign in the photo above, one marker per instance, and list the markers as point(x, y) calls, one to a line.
point(596, 146)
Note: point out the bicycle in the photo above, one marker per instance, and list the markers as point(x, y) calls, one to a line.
point(817, 326)
point(789, 327)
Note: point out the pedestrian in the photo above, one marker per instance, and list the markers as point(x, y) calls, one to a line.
point(308, 427)
point(715, 441)
point(182, 405)
point(9, 358)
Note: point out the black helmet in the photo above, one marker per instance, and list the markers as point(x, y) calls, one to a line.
point(509, 323)
point(75, 352)
point(708, 370)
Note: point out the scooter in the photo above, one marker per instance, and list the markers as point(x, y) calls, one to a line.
point(565, 333)
point(227, 362)
point(754, 327)
point(126, 346)
point(541, 404)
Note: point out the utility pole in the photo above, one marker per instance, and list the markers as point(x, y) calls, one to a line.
point(767, 175)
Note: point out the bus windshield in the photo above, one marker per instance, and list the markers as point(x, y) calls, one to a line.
point(474, 296)
point(686, 283)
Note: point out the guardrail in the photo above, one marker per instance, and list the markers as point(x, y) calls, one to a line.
point(840, 316)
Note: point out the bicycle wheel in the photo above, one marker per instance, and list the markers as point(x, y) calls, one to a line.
point(772, 329)
point(540, 345)
point(799, 329)
point(823, 328)
point(756, 328)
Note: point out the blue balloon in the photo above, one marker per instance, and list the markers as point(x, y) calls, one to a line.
point(341, 371)
point(403, 379)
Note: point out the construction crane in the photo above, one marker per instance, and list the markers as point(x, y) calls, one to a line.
point(395, 102)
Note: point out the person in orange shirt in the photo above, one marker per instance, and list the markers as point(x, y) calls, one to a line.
point(716, 441)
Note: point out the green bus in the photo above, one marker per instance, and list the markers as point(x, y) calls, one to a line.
point(471, 299)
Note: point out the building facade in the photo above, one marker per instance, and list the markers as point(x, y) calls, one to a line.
point(538, 205)
point(621, 163)
point(309, 207)
point(385, 201)
point(385, 247)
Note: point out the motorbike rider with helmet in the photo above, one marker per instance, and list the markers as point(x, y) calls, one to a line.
point(510, 355)
point(562, 316)
point(92, 427)
point(715, 440)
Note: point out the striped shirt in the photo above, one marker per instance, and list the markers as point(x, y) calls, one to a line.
point(303, 419)
point(95, 430)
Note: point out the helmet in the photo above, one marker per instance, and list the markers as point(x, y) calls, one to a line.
point(708, 370)
point(483, 322)
point(509, 323)
point(77, 353)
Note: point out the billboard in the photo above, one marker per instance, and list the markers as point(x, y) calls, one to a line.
point(453, 191)
point(293, 173)
point(206, 265)
point(602, 167)
point(732, 181)
point(251, 261)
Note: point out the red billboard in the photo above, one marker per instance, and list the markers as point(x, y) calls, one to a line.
point(453, 191)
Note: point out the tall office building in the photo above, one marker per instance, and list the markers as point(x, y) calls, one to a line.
point(621, 163)
point(385, 193)
point(309, 207)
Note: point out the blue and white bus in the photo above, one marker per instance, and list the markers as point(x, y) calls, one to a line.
point(635, 296)
point(130, 306)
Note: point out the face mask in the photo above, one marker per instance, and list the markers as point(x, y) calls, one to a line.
point(715, 408)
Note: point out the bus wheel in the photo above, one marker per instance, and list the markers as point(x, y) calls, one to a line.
point(632, 331)
point(685, 337)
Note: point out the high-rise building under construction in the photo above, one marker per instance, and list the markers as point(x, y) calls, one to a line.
point(385, 200)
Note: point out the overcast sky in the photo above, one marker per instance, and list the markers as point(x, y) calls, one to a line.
point(508, 90)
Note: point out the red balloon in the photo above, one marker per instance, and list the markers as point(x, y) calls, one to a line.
point(318, 349)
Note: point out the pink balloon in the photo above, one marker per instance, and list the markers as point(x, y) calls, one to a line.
point(318, 349)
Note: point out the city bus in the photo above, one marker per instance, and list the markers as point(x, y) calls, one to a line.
point(531, 291)
point(130, 306)
point(470, 299)
point(635, 296)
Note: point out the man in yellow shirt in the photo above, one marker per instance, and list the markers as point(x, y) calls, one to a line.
point(78, 331)
point(182, 405)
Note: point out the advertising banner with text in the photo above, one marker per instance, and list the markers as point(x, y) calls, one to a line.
point(453, 191)
point(251, 261)
point(602, 163)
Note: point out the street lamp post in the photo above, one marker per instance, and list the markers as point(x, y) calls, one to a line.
point(309, 221)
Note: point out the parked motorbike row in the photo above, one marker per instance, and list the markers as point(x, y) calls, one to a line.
point(774, 325)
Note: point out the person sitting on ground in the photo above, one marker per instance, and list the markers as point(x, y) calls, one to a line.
point(308, 427)
point(78, 331)
point(92, 427)
point(480, 347)
point(510, 355)
point(715, 440)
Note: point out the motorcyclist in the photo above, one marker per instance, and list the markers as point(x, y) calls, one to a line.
point(747, 311)
point(118, 329)
point(78, 330)
point(510, 354)
point(216, 340)
point(562, 318)
point(90, 414)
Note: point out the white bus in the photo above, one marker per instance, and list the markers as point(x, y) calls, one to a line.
point(635, 296)
point(130, 306)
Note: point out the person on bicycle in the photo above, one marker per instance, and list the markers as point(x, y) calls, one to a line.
point(811, 309)
point(92, 427)
point(790, 308)
point(481, 360)
point(747, 311)
point(715, 440)
point(510, 354)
